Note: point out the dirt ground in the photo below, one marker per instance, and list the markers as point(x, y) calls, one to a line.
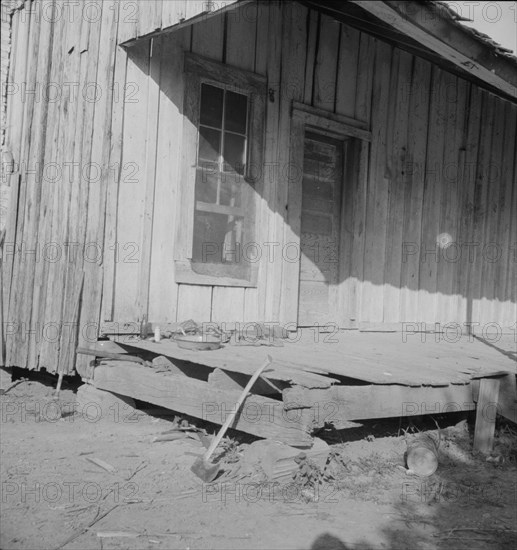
point(148, 497)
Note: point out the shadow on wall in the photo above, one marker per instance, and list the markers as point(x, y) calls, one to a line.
point(412, 225)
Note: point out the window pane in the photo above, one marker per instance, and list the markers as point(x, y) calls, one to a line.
point(206, 184)
point(216, 237)
point(234, 153)
point(236, 110)
point(231, 188)
point(211, 105)
point(209, 144)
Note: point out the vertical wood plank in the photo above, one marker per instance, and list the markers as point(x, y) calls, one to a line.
point(116, 146)
point(194, 7)
point(266, 275)
point(429, 253)
point(359, 200)
point(325, 69)
point(241, 36)
point(172, 12)
point(47, 307)
point(34, 147)
point(468, 181)
point(481, 194)
point(151, 144)
point(208, 37)
point(251, 306)
point(310, 57)
point(262, 38)
point(418, 93)
point(163, 292)
point(149, 16)
point(453, 96)
point(128, 15)
point(486, 415)
point(347, 71)
point(455, 302)
point(90, 314)
point(397, 159)
point(377, 192)
point(194, 302)
point(227, 304)
point(79, 183)
point(492, 250)
point(292, 79)
point(14, 135)
point(365, 69)
point(131, 197)
point(27, 75)
point(508, 279)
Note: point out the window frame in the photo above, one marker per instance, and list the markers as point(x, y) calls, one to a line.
point(197, 71)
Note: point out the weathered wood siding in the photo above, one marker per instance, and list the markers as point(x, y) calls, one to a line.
point(432, 160)
point(442, 161)
point(70, 85)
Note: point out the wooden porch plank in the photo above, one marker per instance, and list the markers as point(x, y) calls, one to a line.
point(259, 415)
point(236, 359)
point(378, 358)
point(375, 401)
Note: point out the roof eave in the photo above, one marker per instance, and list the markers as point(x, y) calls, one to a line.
point(457, 45)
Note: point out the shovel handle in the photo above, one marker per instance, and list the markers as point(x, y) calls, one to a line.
point(233, 414)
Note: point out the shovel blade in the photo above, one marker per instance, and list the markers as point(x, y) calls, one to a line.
point(205, 470)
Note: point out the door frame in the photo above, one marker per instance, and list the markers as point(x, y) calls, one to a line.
point(305, 118)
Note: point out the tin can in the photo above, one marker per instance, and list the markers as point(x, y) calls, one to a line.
point(422, 456)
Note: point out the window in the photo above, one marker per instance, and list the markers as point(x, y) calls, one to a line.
point(223, 211)
point(225, 110)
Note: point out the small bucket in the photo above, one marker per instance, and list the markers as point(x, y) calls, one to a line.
point(422, 456)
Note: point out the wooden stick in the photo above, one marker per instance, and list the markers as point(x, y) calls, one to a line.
point(233, 414)
point(58, 386)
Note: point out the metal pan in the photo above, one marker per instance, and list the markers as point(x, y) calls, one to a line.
point(198, 342)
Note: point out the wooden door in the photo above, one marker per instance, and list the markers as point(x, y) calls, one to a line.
point(323, 159)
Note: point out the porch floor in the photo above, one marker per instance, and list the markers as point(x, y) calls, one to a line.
point(319, 360)
point(337, 378)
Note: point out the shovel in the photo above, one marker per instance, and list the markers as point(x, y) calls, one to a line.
point(202, 467)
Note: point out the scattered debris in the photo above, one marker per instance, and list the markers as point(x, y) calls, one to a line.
point(277, 460)
point(12, 385)
point(163, 364)
point(142, 465)
point(120, 534)
point(82, 530)
point(104, 465)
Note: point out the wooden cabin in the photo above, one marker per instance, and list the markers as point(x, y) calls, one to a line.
point(347, 165)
